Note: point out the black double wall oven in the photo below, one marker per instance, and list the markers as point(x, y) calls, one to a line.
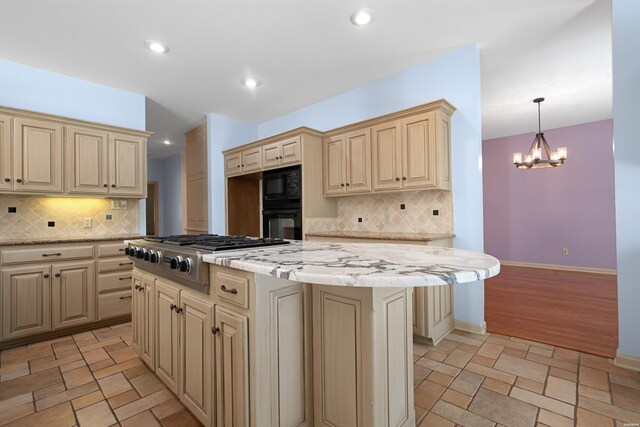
point(282, 203)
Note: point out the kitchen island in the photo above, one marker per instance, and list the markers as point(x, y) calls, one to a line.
point(320, 334)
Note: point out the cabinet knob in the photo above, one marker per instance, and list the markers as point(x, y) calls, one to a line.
point(347, 184)
point(242, 165)
point(105, 185)
point(113, 186)
point(238, 165)
point(178, 309)
point(136, 287)
point(397, 179)
point(57, 274)
point(172, 306)
point(341, 185)
point(215, 330)
point(7, 180)
point(404, 178)
point(18, 180)
point(46, 276)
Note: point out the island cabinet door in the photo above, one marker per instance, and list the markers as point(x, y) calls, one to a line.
point(439, 303)
point(136, 310)
point(166, 324)
point(26, 301)
point(147, 342)
point(232, 368)
point(73, 293)
point(196, 355)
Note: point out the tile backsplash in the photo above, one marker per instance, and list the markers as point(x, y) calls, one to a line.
point(34, 214)
point(383, 213)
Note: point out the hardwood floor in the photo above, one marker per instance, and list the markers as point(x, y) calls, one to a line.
point(563, 308)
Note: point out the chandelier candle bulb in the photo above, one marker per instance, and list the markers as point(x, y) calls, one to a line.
point(537, 153)
point(562, 152)
point(553, 155)
point(528, 159)
point(517, 157)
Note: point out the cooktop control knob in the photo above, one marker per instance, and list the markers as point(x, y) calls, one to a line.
point(127, 250)
point(185, 265)
point(155, 257)
point(175, 262)
point(140, 253)
point(146, 255)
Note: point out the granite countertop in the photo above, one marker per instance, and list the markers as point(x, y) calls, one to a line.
point(379, 235)
point(362, 264)
point(57, 239)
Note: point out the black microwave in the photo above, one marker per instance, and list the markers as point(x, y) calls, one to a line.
point(281, 188)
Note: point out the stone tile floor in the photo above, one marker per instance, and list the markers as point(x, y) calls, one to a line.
point(88, 379)
point(488, 380)
point(96, 379)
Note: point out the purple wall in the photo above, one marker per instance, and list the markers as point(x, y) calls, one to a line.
point(530, 215)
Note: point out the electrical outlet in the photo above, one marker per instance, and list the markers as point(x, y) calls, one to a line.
point(12, 209)
point(51, 223)
point(565, 251)
point(359, 219)
point(435, 212)
point(87, 222)
point(402, 206)
point(109, 217)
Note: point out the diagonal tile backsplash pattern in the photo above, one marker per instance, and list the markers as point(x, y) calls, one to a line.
point(383, 213)
point(34, 212)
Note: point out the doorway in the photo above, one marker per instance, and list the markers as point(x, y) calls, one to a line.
point(152, 208)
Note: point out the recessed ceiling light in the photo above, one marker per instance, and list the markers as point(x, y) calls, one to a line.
point(361, 17)
point(250, 83)
point(166, 142)
point(157, 47)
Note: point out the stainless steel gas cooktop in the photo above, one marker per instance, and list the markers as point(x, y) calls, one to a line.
point(179, 257)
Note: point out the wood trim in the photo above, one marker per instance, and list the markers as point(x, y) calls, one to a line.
point(560, 267)
point(202, 127)
point(275, 138)
point(475, 328)
point(441, 104)
point(69, 121)
point(62, 332)
point(627, 362)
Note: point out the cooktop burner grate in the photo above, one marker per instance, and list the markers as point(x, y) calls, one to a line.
point(214, 242)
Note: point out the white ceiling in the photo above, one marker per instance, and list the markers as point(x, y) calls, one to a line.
point(306, 51)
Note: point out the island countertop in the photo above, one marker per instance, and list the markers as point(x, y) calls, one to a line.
point(362, 264)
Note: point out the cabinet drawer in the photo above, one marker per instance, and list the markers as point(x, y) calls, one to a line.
point(114, 281)
point(111, 249)
point(234, 289)
point(115, 304)
point(51, 254)
point(114, 264)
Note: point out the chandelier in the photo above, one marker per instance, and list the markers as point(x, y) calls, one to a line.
point(539, 154)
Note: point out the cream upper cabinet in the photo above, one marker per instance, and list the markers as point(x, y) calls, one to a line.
point(73, 293)
point(419, 151)
point(87, 161)
point(196, 355)
point(386, 147)
point(197, 180)
point(334, 165)
point(166, 325)
point(358, 161)
point(37, 155)
point(347, 163)
point(127, 165)
point(6, 177)
point(233, 164)
point(26, 300)
point(251, 160)
point(281, 153)
point(232, 368)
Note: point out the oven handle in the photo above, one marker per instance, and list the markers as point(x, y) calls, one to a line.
point(280, 211)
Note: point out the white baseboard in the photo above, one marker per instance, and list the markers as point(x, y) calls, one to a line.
point(559, 267)
point(627, 362)
point(475, 328)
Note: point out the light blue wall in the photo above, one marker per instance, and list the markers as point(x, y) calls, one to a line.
point(39, 90)
point(626, 128)
point(454, 76)
point(223, 133)
point(155, 173)
point(172, 195)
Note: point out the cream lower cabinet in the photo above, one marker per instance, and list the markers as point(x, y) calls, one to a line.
point(26, 300)
point(166, 323)
point(195, 378)
point(363, 361)
point(73, 293)
point(433, 312)
point(143, 324)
